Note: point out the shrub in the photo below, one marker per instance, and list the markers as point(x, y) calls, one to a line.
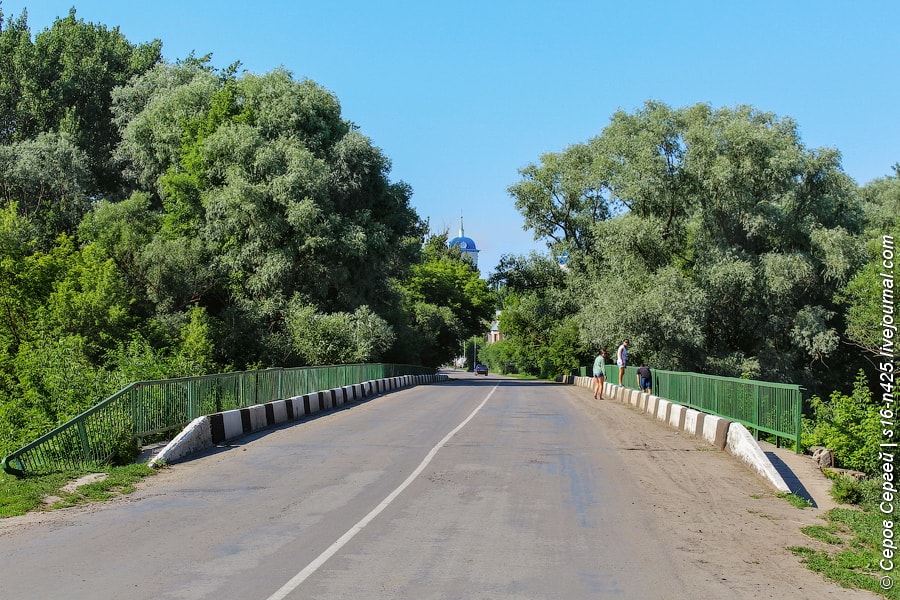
point(849, 426)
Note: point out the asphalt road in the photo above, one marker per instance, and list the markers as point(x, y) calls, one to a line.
point(479, 488)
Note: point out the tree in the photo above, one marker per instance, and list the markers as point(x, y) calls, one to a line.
point(562, 197)
point(537, 320)
point(861, 299)
point(337, 338)
point(735, 240)
point(49, 181)
point(260, 179)
point(62, 83)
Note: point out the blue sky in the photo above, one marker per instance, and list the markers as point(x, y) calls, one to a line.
point(460, 95)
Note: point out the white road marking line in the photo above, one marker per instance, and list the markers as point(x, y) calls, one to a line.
point(312, 567)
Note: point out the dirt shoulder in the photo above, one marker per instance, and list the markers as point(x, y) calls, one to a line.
point(726, 527)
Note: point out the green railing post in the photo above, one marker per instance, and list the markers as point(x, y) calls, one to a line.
point(82, 436)
point(756, 401)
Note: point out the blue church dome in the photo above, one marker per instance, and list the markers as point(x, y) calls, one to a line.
point(465, 244)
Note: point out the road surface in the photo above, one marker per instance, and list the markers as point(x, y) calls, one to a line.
point(475, 489)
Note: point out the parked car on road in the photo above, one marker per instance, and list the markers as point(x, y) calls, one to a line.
point(480, 370)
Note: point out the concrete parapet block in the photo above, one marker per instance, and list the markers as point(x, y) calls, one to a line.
point(636, 398)
point(741, 444)
point(677, 416)
point(195, 437)
point(662, 410)
point(693, 422)
point(279, 411)
point(639, 401)
point(715, 430)
point(258, 418)
point(232, 424)
point(650, 407)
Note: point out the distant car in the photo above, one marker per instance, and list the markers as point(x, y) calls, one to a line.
point(481, 370)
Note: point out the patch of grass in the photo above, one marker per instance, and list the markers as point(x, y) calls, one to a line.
point(796, 500)
point(852, 560)
point(823, 533)
point(522, 376)
point(19, 496)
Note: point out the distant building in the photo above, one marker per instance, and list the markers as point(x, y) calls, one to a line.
point(495, 335)
point(465, 245)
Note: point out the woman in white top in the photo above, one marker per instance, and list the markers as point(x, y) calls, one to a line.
point(622, 359)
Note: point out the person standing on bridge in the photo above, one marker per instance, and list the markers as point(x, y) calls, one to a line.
point(599, 373)
point(645, 379)
point(622, 359)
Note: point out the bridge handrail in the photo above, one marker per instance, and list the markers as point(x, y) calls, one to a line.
point(761, 406)
point(159, 407)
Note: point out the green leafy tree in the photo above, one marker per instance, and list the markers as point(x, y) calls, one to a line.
point(735, 240)
point(562, 197)
point(62, 83)
point(861, 299)
point(848, 425)
point(265, 192)
point(337, 338)
point(48, 180)
point(537, 318)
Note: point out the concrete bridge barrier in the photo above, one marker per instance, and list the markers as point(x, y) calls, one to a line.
point(719, 432)
point(211, 430)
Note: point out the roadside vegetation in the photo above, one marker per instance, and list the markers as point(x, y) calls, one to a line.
point(46, 492)
point(852, 539)
point(166, 219)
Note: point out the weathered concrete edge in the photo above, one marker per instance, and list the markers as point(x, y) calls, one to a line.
point(210, 430)
point(722, 433)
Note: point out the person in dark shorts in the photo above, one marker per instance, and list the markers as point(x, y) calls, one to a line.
point(645, 378)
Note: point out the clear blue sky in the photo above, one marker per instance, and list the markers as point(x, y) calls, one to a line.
point(460, 95)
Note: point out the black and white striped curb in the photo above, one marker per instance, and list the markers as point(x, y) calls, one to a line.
point(211, 430)
point(722, 433)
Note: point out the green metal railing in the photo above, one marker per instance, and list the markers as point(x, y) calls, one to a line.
point(761, 406)
point(158, 408)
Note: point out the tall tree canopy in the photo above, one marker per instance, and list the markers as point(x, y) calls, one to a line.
point(265, 196)
point(61, 83)
point(734, 240)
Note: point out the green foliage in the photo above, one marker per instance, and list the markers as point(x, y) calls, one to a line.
point(337, 338)
point(48, 180)
point(862, 297)
point(725, 208)
point(847, 425)
point(19, 496)
point(62, 82)
point(854, 538)
point(561, 198)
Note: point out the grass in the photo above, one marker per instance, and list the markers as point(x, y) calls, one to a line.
point(853, 542)
point(19, 496)
point(796, 500)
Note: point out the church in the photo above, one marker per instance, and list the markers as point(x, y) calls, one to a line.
point(466, 245)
